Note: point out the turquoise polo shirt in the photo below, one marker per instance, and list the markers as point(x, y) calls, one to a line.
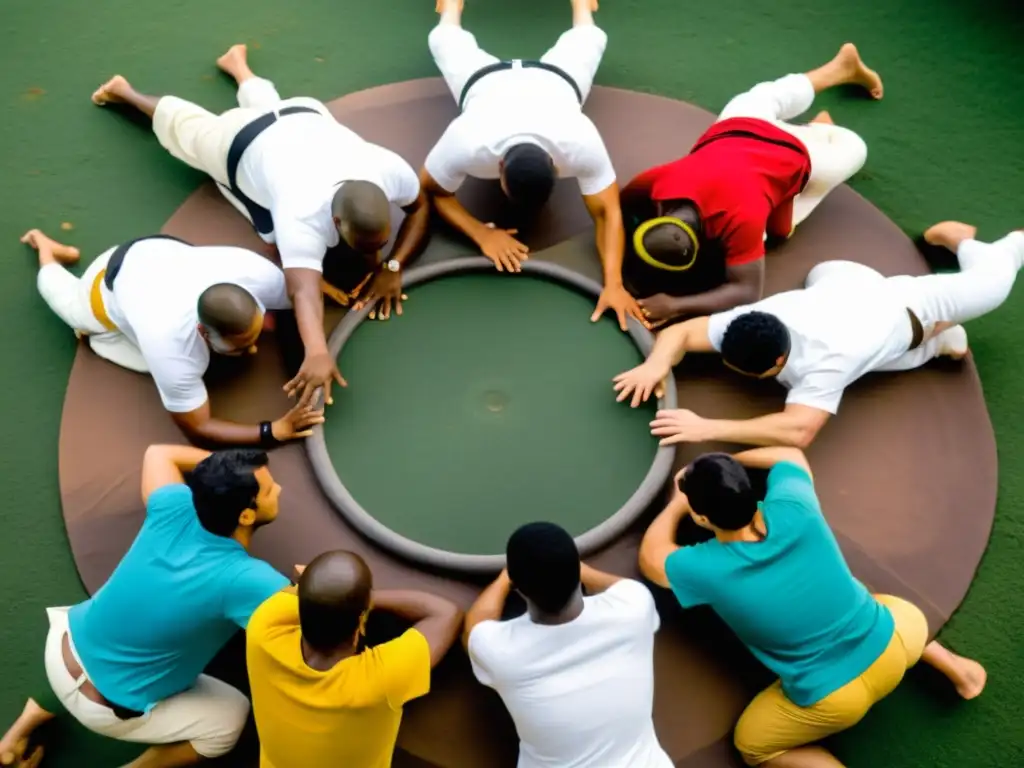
point(176, 598)
point(790, 598)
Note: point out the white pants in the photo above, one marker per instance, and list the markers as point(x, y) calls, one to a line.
point(836, 152)
point(210, 715)
point(578, 53)
point(69, 297)
point(986, 277)
point(202, 139)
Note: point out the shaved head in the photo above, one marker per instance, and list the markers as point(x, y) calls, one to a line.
point(363, 214)
point(228, 309)
point(334, 593)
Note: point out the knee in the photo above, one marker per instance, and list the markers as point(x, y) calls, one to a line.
point(854, 149)
point(232, 714)
point(442, 36)
point(745, 740)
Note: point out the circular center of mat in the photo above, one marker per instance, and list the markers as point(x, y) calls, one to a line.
point(489, 404)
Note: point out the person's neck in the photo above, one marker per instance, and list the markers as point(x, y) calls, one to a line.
point(243, 536)
point(754, 532)
point(570, 612)
point(323, 661)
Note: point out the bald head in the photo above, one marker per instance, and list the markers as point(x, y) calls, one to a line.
point(362, 214)
point(334, 593)
point(228, 309)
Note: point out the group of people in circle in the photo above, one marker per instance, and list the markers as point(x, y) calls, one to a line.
point(683, 252)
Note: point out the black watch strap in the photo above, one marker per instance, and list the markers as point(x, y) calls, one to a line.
point(267, 439)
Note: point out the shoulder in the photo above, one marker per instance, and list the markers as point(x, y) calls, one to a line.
point(627, 594)
point(488, 638)
point(172, 501)
point(790, 483)
point(279, 611)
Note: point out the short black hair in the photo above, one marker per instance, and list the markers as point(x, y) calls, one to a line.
point(544, 565)
point(754, 342)
point(363, 206)
point(530, 176)
point(670, 244)
point(718, 487)
point(334, 593)
point(224, 485)
point(228, 309)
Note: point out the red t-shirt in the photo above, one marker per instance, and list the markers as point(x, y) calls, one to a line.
point(743, 185)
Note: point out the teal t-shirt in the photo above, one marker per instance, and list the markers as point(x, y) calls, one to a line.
point(175, 599)
point(790, 598)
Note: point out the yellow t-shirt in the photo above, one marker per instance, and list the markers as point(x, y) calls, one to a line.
point(346, 717)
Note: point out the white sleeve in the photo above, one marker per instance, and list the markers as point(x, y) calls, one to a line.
point(822, 390)
point(300, 246)
point(265, 280)
point(718, 324)
point(630, 598)
point(482, 640)
point(448, 161)
point(401, 184)
point(178, 375)
point(592, 165)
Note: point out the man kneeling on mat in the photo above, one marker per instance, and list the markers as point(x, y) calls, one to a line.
point(575, 672)
point(521, 122)
point(775, 574)
point(128, 662)
point(848, 321)
point(160, 306)
point(320, 698)
point(306, 183)
point(699, 224)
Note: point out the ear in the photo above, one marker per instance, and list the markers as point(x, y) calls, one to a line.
point(247, 518)
point(362, 622)
point(781, 361)
point(202, 331)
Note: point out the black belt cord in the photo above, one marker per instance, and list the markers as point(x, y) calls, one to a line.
point(500, 66)
point(117, 257)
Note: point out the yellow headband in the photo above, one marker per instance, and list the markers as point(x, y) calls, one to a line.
point(641, 251)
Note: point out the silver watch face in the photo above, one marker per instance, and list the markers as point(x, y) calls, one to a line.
point(393, 265)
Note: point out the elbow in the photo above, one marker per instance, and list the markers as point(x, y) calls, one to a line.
point(650, 568)
point(801, 436)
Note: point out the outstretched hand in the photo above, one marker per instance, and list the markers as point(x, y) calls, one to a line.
point(641, 382)
point(298, 422)
point(618, 299)
point(507, 253)
point(384, 290)
point(318, 370)
point(680, 426)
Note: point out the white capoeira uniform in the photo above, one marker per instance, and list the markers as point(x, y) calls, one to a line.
point(836, 153)
point(291, 169)
point(149, 322)
point(519, 105)
point(850, 320)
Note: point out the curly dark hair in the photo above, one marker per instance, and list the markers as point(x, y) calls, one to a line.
point(754, 342)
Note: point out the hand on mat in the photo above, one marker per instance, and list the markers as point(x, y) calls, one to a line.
point(318, 370)
point(386, 291)
point(641, 382)
point(680, 426)
point(658, 309)
point(298, 422)
point(617, 299)
point(505, 251)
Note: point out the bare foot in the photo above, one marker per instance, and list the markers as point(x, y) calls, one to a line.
point(65, 254)
point(16, 758)
point(975, 678)
point(823, 117)
point(949, 234)
point(234, 59)
point(859, 73)
point(111, 92)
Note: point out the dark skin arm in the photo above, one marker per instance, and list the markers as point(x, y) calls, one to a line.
point(610, 236)
point(744, 285)
point(318, 369)
point(437, 619)
point(596, 581)
point(200, 427)
point(489, 606)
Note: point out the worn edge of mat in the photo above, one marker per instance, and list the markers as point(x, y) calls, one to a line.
point(588, 542)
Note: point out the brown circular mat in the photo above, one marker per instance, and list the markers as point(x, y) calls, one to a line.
point(907, 472)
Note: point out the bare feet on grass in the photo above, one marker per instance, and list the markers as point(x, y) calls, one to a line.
point(857, 72)
point(949, 234)
point(236, 62)
point(65, 254)
point(112, 92)
point(974, 678)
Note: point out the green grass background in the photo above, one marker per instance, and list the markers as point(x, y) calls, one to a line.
point(945, 142)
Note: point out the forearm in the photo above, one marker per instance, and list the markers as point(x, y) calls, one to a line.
point(455, 214)
point(596, 581)
point(670, 346)
point(611, 241)
point(659, 541)
point(489, 606)
point(411, 605)
point(184, 458)
point(725, 297)
point(307, 299)
point(224, 433)
point(412, 235)
point(766, 458)
point(776, 429)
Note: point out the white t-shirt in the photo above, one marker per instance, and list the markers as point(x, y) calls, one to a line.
point(581, 694)
point(294, 168)
point(839, 331)
point(155, 304)
point(509, 107)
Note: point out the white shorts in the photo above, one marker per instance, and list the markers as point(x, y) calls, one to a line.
point(210, 715)
point(70, 299)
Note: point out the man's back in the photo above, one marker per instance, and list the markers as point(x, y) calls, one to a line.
point(345, 716)
point(580, 693)
point(176, 598)
point(791, 597)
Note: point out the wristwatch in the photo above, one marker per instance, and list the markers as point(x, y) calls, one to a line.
point(392, 265)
